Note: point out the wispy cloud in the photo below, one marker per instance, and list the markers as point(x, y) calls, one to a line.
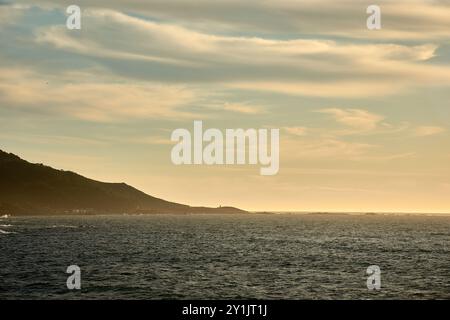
point(84, 99)
point(325, 148)
point(359, 119)
point(352, 70)
point(424, 131)
point(10, 13)
point(402, 19)
point(296, 131)
point(243, 108)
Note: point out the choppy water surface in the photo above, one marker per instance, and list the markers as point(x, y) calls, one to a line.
point(225, 257)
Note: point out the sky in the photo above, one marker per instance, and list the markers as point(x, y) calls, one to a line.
point(363, 114)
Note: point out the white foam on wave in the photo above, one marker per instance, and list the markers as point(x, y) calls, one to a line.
point(5, 232)
point(5, 216)
point(5, 225)
point(62, 226)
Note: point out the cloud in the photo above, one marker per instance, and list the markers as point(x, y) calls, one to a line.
point(424, 131)
point(324, 148)
point(333, 89)
point(10, 13)
point(243, 108)
point(358, 119)
point(40, 139)
point(402, 19)
point(296, 131)
point(80, 97)
point(162, 51)
point(322, 143)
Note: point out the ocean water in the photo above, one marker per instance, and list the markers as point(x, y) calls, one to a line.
point(225, 256)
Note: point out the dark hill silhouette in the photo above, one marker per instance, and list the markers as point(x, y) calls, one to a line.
point(36, 189)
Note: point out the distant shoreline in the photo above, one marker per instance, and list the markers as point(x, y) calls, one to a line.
point(249, 213)
point(320, 213)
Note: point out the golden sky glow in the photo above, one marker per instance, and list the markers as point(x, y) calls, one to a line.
point(363, 115)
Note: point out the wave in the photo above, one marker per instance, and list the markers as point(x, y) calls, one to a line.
point(62, 226)
point(5, 225)
point(5, 216)
point(6, 232)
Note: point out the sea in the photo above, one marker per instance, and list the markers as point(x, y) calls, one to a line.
point(248, 256)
